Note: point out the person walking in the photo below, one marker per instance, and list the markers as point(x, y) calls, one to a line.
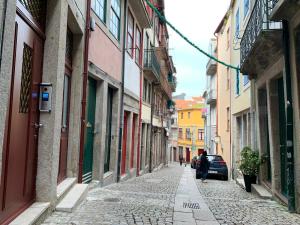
point(180, 159)
point(204, 166)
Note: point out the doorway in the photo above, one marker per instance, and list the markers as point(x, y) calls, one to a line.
point(282, 137)
point(20, 148)
point(188, 155)
point(110, 96)
point(89, 137)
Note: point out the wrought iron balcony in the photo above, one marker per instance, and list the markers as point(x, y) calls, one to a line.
point(151, 65)
point(172, 82)
point(284, 9)
point(211, 67)
point(262, 40)
point(211, 96)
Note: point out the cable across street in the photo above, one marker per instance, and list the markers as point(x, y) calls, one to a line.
point(163, 18)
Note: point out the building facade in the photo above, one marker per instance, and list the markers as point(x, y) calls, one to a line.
point(275, 95)
point(190, 128)
point(211, 100)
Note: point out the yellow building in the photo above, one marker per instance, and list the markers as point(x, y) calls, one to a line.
point(190, 127)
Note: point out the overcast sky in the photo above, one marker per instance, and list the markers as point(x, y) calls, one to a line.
point(196, 19)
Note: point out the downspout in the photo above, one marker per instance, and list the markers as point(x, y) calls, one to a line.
point(84, 87)
point(2, 32)
point(152, 102)
point(151, 128)
point(140, 109)
point(122, 95)
point(289, 118)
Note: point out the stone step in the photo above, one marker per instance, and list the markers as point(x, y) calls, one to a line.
point(64, 187)
point(33, 215)
point(73, 198)
point(261, 191)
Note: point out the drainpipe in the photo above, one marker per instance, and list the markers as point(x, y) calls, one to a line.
point(140, 112)
point(151, 128)
point(217, 96)
point(122, 95)
point(289, 118)
point(84, 87)
point(2, 32)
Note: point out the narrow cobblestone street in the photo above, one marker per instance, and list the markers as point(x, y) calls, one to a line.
point(157, 199)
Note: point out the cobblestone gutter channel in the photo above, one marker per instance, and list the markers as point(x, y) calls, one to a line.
point(145, 200)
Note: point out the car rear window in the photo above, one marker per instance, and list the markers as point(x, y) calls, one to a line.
point(214, 158)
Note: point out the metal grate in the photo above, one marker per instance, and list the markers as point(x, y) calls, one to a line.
point(37, 9)
point(26, 79)
point(191, 205)
point(69, 45)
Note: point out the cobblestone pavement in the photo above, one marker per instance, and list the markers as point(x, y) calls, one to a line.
point(145, 200)
point(230, 204)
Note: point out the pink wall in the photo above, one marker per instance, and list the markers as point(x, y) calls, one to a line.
point(105, 54)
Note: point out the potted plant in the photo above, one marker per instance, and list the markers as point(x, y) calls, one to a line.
point(249, 165)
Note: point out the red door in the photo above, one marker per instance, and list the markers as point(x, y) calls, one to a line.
point(20, 147)
point(62, 171)
point(124, 146)
point(132, 141)
point(187, 152)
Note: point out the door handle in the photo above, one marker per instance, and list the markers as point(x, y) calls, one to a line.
point(38, 125)
point(89, 125)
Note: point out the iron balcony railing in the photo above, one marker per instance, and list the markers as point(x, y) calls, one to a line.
point(258, 22)
point(151, 63)
point(274, 2)
point(172, 81)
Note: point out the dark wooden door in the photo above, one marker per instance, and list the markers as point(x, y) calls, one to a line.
point(188, 155)
point(108, 129)
point(282, 128)
point(20, 148)
point(63, 157)
point(124, 145)
point(133, 141)
point(89, 138)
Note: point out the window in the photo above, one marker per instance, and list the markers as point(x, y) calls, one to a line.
point(228, 119)
point(237, 83)
point(188, 133)
point(228, 38)
point(246, 79)
point(130, 34)
point(246, 7)
point(200, 134)
point(99, 7)
point(189, 115)
point(228, 79)
point(138, 43)
point(237, 23)
point(181, 115)
point(115, 13)
point(180, 133)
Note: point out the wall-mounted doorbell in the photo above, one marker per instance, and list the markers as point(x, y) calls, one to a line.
point(45, 97)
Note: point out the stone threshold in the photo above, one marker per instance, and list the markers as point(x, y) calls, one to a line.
point(73, 198)
point(35, 214)
point(261, 191)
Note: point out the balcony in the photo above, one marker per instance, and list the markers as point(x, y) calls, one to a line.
point(261, 43)
point(164, 84)
point(151, 65)
point(284, 9)
point(211, 67)
point(211, 96)
point(172, 81)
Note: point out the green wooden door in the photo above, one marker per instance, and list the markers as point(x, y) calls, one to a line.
point(89, 133)
point(282, 128)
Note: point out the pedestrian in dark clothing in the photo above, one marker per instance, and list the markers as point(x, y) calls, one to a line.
point(180, 159)
point(204, 166)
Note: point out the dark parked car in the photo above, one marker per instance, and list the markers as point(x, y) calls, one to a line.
point(194, 162)
point(217, 167)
